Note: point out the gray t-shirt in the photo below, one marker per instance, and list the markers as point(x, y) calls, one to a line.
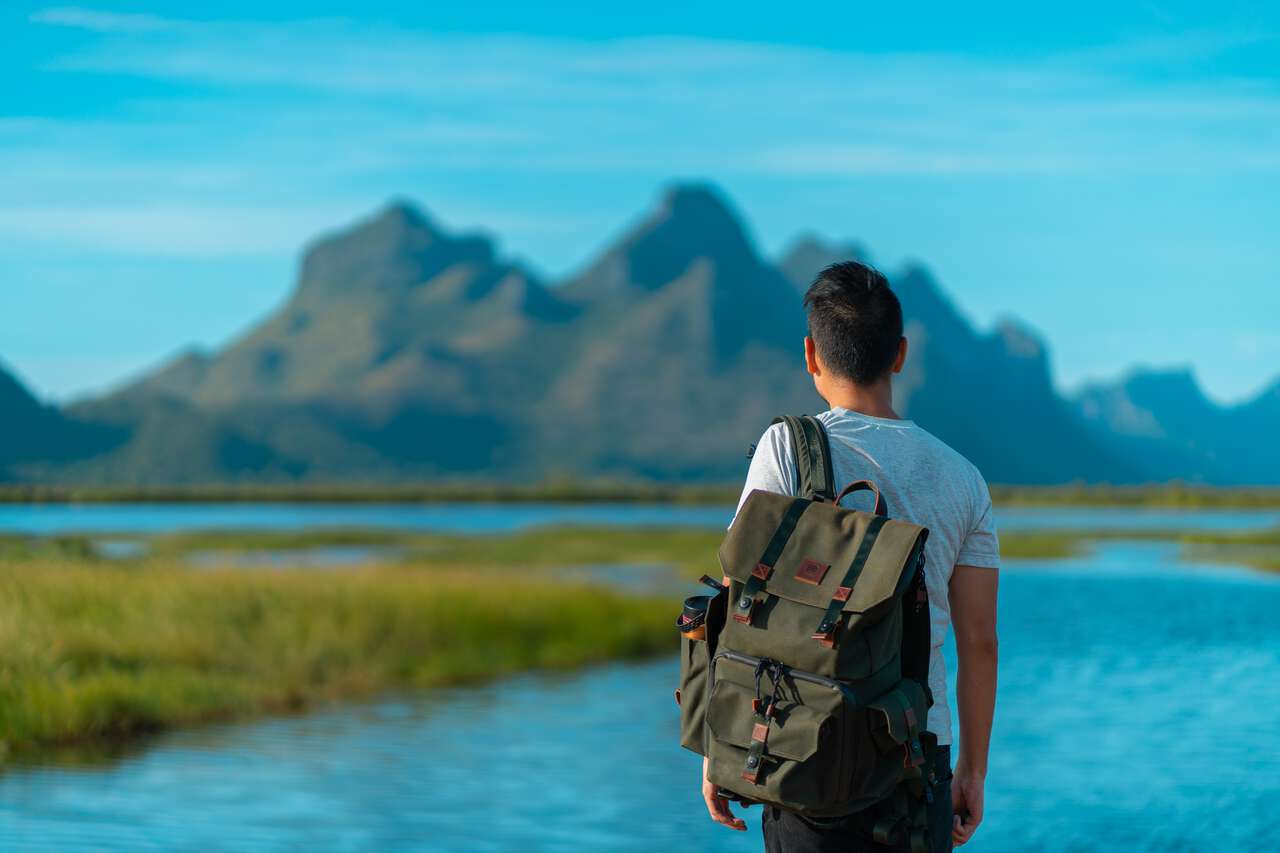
point(923, 481)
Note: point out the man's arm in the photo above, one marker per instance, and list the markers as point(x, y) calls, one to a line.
point(973, 615)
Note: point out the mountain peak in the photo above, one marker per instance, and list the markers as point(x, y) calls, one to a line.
point(692, 222)
point(403, 213)
point(809, 254)
point(700, 202)
point(1018, 340)
point(1151, 402)
point(395, 249)
point(1177, 382)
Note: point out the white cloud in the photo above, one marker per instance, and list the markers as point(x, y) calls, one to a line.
point(101, 22)
point(163, 230)
point(773, 109)
point(280, 119)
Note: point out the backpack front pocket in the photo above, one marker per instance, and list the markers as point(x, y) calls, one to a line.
point(779, 739)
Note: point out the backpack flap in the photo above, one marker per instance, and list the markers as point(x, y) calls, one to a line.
point(816, 557)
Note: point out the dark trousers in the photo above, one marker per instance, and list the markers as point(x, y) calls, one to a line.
point(785, 832)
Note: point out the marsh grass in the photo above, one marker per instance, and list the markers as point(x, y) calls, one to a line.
point(597, 491)
point(690, 551)
point(95, 651)
point(1041, 545)
point(92, 651)
point(1258, 549)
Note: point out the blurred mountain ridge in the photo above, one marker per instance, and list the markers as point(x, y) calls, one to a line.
point(409, 352)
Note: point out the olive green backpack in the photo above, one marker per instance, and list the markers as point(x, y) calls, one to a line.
point(810, 689)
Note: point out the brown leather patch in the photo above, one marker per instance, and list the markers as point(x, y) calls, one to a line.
point(842, 593)
point(760, 732)
point(911, 717)
point(677, 695)
point(750, 775)
point(744, 619)
point(762, 571)
point(811, 571)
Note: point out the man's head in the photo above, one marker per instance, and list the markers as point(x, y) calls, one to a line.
point(855, 325)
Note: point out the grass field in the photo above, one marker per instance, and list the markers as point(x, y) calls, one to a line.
point(1258, 549)
point(1160, 495)
point(95, 650)
point(92, 650)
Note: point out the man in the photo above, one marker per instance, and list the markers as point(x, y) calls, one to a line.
point(855, 345)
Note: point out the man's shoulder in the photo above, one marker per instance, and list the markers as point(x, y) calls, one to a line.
point(948, 455)
point(940, 457)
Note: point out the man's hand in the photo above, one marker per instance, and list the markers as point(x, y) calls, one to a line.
point(718, 806)
point(966, 802)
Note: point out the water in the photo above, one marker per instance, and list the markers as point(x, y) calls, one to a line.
point(497, 518)
point(319, 557)
point(1137, 712)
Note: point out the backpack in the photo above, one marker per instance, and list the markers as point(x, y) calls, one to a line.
point(809, 688)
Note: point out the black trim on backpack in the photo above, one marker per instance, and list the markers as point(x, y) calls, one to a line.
point(814, 477)
point(916, 639)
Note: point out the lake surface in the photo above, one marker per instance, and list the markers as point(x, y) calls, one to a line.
point(493, 518)
point(1139, 711)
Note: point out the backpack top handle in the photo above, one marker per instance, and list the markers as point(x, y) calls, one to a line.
point(882, 508)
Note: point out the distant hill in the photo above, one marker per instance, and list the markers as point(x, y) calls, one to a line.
point(1164, 419)
point(35, 436)
point(408, 352)
point(989, 395)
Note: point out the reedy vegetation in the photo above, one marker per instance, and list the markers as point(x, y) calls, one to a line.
point(94, 649)
point(91, 650)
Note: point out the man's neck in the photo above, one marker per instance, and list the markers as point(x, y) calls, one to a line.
point(873, 400)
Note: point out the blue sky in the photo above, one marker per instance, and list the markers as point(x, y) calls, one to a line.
point(1108, 175)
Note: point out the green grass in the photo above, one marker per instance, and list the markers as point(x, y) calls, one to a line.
point(583, 492)
point(100, 651)
point(1169, 495)
point(594, 491)
point(94, 651)
point(690, 551)
point(1258, 549)
point(1041, 545)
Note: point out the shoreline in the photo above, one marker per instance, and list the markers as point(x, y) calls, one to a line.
point(99, 651)
point(1170, 495)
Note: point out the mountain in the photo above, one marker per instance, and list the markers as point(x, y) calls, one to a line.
point(406, 351)
point(1165, 418)
point(989, 395)
point(809, 253)
point(391, 358)
point(34, 435)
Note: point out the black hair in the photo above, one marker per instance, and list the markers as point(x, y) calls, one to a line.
point(855, 321)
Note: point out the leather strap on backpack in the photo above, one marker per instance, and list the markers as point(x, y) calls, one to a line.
point(755, 584)
point(825, 633)
point(812, 451)
point(881, 507)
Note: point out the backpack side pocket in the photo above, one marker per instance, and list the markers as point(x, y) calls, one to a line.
point(691, 695)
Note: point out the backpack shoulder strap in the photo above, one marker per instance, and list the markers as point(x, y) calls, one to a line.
point(812, 451)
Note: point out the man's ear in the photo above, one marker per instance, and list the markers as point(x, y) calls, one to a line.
point(902, 355)
point(811, 357)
